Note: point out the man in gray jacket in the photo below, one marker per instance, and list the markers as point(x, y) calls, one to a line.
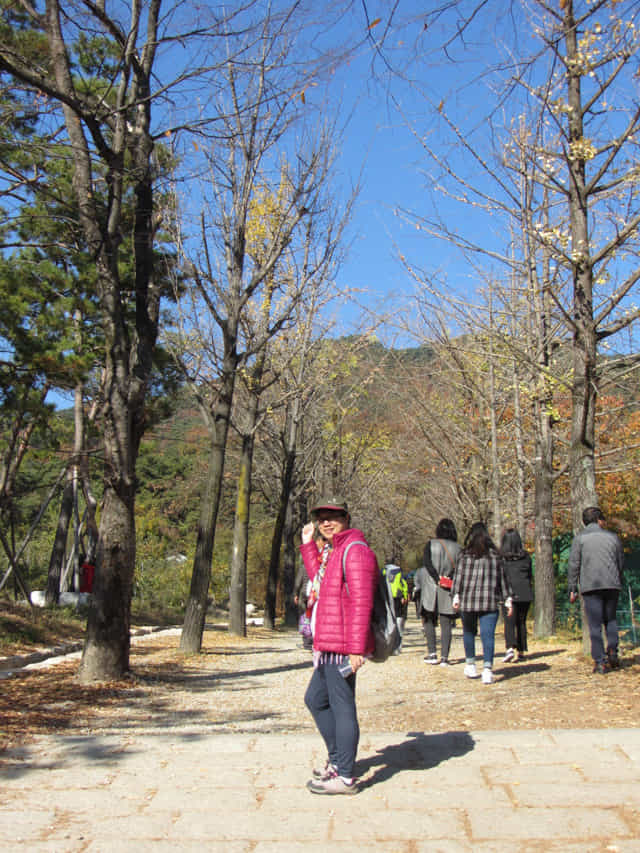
point(595, 565)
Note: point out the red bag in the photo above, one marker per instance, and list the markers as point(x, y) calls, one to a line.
point(446, 583)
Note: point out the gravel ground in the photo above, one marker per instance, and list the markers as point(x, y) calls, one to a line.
point(256, 684)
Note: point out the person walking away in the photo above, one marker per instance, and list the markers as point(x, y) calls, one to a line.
point(400, 594)
point(342, 639)
point(425, 595)
point(479, 584)
point(432, 590)
point(444, 551)
point(517, 563)
point(596, 562)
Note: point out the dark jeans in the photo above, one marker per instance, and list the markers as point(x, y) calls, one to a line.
point(487, 621)
point(331, 698)
point(429, 628)
point(600, 607)
point(515, 626)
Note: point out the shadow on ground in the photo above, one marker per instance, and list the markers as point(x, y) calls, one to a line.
point(419, 752)
point(157, 674)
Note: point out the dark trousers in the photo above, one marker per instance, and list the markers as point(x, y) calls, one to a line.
point(515, 626)
point(331, 698)
point(600, 607)
point(429, 628)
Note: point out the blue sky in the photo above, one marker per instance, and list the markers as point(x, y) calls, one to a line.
point(395, 169)
point(378, 144)
point(379, 140)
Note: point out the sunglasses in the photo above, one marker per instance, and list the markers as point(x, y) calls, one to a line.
point(334, 516)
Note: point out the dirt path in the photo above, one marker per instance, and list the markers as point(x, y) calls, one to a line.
point(256, 684)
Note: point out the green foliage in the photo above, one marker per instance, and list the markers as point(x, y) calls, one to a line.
point(561, 546)
point(569, 615)
point(20, 626)
point(162, 583)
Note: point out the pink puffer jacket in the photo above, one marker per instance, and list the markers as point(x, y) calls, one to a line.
point(342, 622)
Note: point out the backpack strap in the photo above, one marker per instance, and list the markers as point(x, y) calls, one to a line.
point(446, 550)
point(344, 560)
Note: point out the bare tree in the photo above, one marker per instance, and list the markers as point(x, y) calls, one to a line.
point(602, 212)
point(259, 118)
point(577, 215)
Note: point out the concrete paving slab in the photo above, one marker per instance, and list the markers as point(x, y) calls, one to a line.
point(459, 791)
point(537, 795)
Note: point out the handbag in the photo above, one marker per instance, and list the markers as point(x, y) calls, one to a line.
point(445, 582)
point(304, 625)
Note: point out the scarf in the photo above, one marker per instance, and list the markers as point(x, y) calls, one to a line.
point(314, 594)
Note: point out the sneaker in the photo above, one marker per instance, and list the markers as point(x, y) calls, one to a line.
point(521, 656)
point(487, 676)
point(601, 667)
point(431, 658)
point(470, 670)
point(324, 773)
point(509, 656)
point(444, 662)
point(613, 659)
point(335, 785)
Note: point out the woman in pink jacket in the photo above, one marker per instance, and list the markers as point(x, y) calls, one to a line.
point(342, 638)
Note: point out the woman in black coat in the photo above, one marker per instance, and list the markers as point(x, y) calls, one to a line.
point(517, 564)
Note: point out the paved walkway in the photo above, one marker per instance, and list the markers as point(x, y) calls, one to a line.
point(187, 789)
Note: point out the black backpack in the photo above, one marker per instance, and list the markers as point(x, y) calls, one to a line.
point(383, 616)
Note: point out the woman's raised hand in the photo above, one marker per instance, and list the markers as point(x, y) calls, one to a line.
point(307, 532)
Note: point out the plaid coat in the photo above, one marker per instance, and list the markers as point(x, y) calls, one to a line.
point(481, 582)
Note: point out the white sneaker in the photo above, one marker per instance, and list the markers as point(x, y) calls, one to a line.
point(509, 656)
point(470, 670)
point(487, 676)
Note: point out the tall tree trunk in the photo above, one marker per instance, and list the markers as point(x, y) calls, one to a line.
point(496, 509)
point(238, 591)
point(584, 388)
point(543, 418)
point(279, 526)
point(129, 340)
point(196, 609)
point(58, 551)
point(69, 495)
point(289, 560)
point(582, 471)
point(520, 457)
point(107, 645)
point(238, 587)
point(545, 591)
point(286, 516)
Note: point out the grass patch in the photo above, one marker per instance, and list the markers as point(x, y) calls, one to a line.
point(144, 615)
point(22, 629)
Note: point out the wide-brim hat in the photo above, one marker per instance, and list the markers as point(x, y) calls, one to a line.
point(338, 504)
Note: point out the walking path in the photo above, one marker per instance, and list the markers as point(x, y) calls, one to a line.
point(186, 786)
point(455, 791)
